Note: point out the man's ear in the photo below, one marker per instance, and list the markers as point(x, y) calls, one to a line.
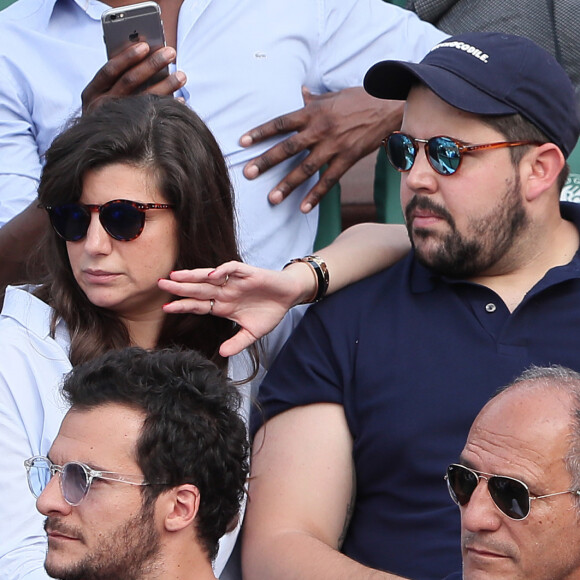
point(181, 505)
point(540, 169)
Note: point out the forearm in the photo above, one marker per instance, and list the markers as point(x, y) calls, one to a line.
point(294, 555)
point(19, 240)
point(363, 250)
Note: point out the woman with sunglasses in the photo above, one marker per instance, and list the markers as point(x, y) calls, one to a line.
point(134, 190)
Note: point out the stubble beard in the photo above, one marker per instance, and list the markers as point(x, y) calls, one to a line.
point(127, 553)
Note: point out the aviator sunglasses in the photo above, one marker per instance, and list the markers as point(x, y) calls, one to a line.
point(122, 219)
point(443, 153)
point(510, 495)
point(75, 478)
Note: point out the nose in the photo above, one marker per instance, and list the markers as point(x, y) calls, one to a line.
point(421, 177)
point(480, 513)
point(97, 240)
point(51, 500)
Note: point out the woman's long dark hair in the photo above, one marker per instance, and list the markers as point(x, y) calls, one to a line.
point(164, 136)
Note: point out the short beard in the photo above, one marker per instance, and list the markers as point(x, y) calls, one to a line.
point(127, 553)
point(491, 236)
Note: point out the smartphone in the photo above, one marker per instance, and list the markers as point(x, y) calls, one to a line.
point(125, 25)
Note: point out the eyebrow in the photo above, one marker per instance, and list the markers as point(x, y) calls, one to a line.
point(465, 462)
point(90, 465)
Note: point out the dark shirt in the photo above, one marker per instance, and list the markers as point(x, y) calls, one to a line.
point(413, 357)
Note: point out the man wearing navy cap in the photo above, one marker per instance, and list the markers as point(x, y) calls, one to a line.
point(374, 394)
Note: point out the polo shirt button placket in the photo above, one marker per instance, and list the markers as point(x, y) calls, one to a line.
point(491, 307)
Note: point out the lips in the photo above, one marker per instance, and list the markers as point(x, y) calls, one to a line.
point(425, 218)
point(481, 552)
point(423, 212)
point(98, 276)
point(58, 532)
point(57, 536)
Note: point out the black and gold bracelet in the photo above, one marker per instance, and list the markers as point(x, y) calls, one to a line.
point(320, 269)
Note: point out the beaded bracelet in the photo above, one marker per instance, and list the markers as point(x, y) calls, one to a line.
point(320, 269)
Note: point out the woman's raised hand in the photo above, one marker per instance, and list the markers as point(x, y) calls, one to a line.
point(255, 298)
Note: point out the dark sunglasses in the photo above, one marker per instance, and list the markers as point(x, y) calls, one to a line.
point(75, 478)
point(122, 219)
point(510, 495)
point(443, 153)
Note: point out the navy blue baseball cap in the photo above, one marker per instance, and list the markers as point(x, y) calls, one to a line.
point(490, 73)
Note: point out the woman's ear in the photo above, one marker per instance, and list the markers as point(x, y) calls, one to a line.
point(181, 506)
point(540, 169)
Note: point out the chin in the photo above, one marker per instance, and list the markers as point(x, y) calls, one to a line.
point(103, 300)
point(487, 570)
point(57, 567)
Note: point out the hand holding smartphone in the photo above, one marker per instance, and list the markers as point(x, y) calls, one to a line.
point(134, 23)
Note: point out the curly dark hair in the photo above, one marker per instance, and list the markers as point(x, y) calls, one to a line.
point(192, 431)
point(164, 136)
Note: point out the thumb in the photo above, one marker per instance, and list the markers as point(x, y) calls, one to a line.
point(306, 95)
point(243, 339)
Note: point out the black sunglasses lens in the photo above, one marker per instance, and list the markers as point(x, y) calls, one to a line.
point(462, 483)
point(401, 151)
point(444, 155)
point(122, 220)
point(70, 221)
point(510, 496)
point(75, 483)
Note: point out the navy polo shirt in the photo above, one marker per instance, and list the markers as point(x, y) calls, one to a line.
point(413, 357)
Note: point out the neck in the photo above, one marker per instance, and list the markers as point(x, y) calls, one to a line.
point(170, 14)
point(543, 248)
point(183, 561)
point(144, 330)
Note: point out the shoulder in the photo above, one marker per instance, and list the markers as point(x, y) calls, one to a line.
point(22, 308)
point(26, 15)
point(365, 294)
point(25, 328)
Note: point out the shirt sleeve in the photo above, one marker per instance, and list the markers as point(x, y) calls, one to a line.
point(355, 34)
point(30, 413)
point(313, 367)
point(22, 539)
point(20, 163)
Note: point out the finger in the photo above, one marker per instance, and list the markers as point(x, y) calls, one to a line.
point(131, 80)
point(309, 97)
point(306, 95)
point(110, 72)
point(188, 306)
point(280, 152)
point(240, 341)
point(197, 291)
point(327, 180)
point(308, 167)
point(279, 126)
point(196, 275)
point(232, 269)
point(168, 85)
